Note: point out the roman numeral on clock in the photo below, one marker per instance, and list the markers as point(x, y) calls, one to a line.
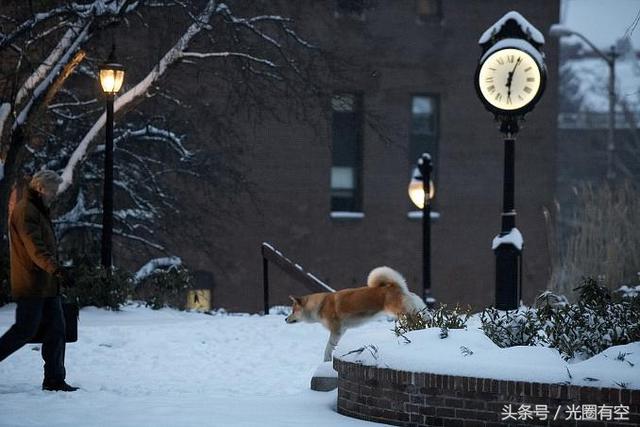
point(527, 89)
point(531, 79)
point(498, 96)
point(491, 89)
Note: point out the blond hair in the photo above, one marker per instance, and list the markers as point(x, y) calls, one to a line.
point(44, 177)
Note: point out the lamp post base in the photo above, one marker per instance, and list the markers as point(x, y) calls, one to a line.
point(428, 299)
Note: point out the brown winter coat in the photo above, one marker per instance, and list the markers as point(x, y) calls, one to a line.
point(33, 249)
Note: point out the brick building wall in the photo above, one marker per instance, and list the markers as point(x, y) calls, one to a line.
point(288, 165)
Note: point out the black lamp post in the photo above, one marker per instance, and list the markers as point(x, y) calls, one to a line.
point(111, 78)
point(419, 194)
point(558, 30)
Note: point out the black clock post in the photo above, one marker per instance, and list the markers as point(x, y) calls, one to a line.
point(510, 80)
point(507, 253)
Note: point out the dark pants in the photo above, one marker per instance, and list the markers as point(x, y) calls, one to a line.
point(29, 314)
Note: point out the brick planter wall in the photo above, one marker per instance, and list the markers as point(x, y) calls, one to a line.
point(423, 399)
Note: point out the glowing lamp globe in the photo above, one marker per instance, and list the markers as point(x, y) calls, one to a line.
point(111, 75)
point(416, 190)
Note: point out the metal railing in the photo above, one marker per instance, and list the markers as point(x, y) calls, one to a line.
point(295, 271)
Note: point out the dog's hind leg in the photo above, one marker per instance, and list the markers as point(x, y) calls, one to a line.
point(331, 345)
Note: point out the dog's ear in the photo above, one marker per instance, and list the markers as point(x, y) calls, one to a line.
point(295, 300)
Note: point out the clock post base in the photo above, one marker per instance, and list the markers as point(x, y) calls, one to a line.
point(507, 273)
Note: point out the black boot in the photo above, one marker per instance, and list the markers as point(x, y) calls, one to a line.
point(57, 385)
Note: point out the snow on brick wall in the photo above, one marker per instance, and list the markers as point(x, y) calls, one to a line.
point(423, 399)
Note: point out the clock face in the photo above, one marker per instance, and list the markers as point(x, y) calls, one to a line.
point(509, 79)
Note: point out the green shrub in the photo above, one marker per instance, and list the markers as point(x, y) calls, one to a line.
point(441, 317)
point(598, 320)
point(165, 288)
point(511, 328)
point(95, 287)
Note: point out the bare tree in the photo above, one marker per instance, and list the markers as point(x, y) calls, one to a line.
point(51, 117)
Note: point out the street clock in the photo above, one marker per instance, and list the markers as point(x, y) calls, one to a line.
point(511, 75)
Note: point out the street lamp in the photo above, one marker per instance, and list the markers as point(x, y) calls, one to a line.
point(419, 193)
point(559, 31)
point(111, 78)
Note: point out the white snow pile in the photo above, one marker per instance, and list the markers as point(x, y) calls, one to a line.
point(472, 353)
point(629, 291)
point(514, 237)
point(525, 25)
point(155, 264)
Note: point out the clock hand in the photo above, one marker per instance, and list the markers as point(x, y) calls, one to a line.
point(510, 78)
point(512, 72)
point(514, 67)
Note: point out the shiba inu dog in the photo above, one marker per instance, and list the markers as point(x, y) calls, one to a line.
point(386, 291)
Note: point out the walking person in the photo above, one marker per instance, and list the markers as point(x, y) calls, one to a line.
point(35, 279)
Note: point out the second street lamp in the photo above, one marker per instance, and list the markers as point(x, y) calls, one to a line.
point(421, 196)
point(111, 78)
point(558, 31)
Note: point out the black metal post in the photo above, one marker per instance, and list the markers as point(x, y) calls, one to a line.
point(265, 283)
point(426, 166)
point(508, 189)
point(107, 195)
point(507, 254)
point(611, 145)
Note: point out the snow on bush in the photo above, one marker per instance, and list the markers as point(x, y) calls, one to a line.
point(441, 317)
point(596, 322)
point(165, 287)
point(471, 353)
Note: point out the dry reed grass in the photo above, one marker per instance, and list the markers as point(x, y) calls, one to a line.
point(602, 240)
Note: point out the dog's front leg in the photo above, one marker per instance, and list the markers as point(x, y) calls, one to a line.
point(331, 345)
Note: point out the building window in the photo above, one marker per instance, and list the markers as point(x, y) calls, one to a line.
point(350, 6)
point(428, 9)
point(346, 168)
point(353, 8)
point(423, 134)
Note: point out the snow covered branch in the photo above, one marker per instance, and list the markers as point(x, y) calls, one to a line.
point(228, 54)
point(45, 66)
point(138, 91)
point(118, 232)
point(151, 132)
point(44, 85)
point(155, 264)
point(97, 8)
point(31, 23)
point(79, 215)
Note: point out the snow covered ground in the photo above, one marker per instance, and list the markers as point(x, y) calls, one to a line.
point(140, 367)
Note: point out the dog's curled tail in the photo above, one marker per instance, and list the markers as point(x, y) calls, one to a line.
point(382, 276)
point(385, 276)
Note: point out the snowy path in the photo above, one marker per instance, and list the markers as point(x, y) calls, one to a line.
point(141, 367)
